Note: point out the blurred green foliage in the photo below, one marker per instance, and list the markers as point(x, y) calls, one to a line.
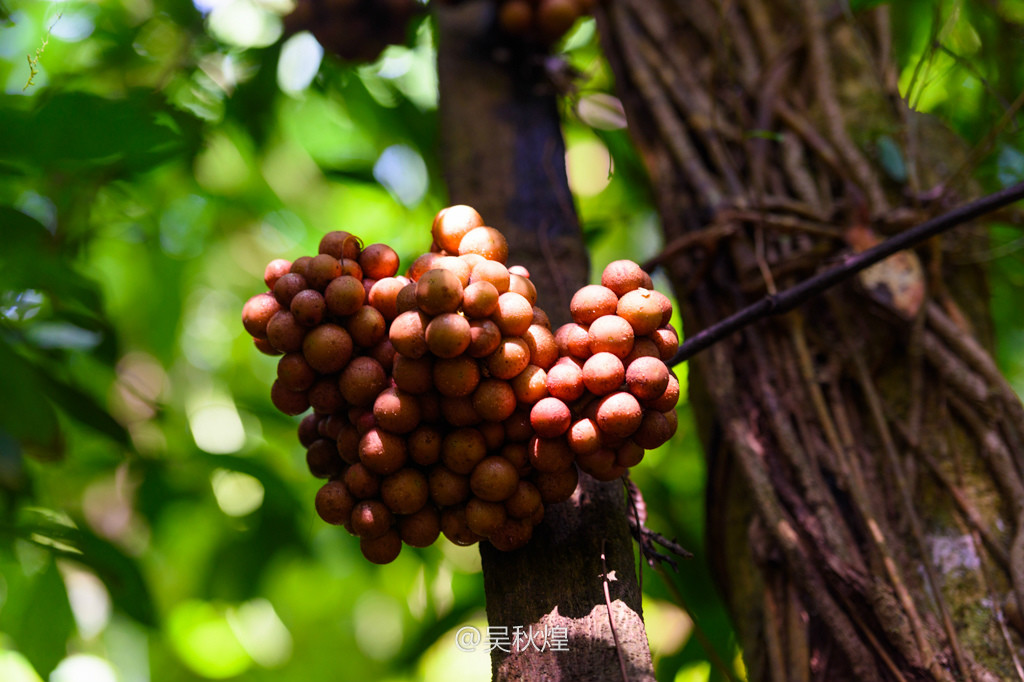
point(157, 519)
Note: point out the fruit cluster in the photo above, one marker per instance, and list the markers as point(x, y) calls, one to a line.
point(442, 401)
point(543, 21)
point(355, 30)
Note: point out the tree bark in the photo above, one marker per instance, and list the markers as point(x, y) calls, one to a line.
point(865, 494)
point(503, 153)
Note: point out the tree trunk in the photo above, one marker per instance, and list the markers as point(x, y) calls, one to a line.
point(866, 504)
point(503, 154)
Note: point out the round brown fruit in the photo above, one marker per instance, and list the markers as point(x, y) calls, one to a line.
point(493, 272)
point(485, 241)
point(667, 341)
point(530, 385)
point(556, 486)
point(494, 479)
point(462, 449)
point(344, 295)
point(327, 348)
point(350, 268)
point(383, 296)
point(367, 327)
point(540, 318)
point(257, 313)
point(361, 482)
point(542, 345)
point(275, 270)
point(665, 303)
point(494, 400)
point(549, 454)
point(611, 334)
point(583, 436)
point(603, 373)
point(565, 381)
point(514, 315)
point(479, 299)
point(265, 347)
point(643, 347)
point(308, 307)
point(299, 266)
point(405, 491)
point(322, 459)
point(629, 454)
point(619, 415)
point(348, 442)
point(325, 396)
point(406, 299)
point(455, 528)
point(485, 337)
point(294, 372)
point(289, 402)
point(494, 435)
point(422, 265)
point(511, 357)
point(524, 501)
point(422, 528)
point(309, 429)
point(378, 261)
point(382, 550)
point(287, 286)
point(647, 378)
point(381, 452)
point(370, 519)
point(667, 400)
point(556, 17)
point(641, 309)
point(446, 487)
point(550, 418)
point(623, 276)
point(456, 377)
point(413, 375)
point(334, 503)
point(340, 244)
point(362, 380)
point(484, 517)
point(321, 270)
point(457, 266)
point(424, 445)
point(515, 17)
point(459, 412)
point(408, 334)
point(451, 225)
point(573, 339)
point(284, 333)
point(438, 291)
point(396, 411)
point(448, 335)
point(517, 426)
point(600, 463)
point(591, 302)
point(524, 287)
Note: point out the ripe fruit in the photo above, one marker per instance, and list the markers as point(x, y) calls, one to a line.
point(442, 400)
point(257, 312)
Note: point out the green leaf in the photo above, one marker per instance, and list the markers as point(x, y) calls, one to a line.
point(118, 571)
point(45, 622)
point(79, 130)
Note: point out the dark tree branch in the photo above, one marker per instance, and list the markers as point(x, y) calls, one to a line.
point(813, 286)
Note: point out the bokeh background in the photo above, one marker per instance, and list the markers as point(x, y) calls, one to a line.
point(156, 518)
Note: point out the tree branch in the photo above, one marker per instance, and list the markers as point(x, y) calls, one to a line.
point(813, 286)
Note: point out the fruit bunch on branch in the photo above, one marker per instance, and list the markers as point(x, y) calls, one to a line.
point(442, 401)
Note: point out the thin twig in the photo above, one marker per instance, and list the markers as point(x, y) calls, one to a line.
point(813, 286)
point(611, 619)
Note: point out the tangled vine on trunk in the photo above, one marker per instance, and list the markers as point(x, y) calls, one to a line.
point(866, 503)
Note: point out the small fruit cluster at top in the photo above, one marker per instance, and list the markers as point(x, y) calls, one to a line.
point(442, 401)
point(355, 30)
point(543, 21)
